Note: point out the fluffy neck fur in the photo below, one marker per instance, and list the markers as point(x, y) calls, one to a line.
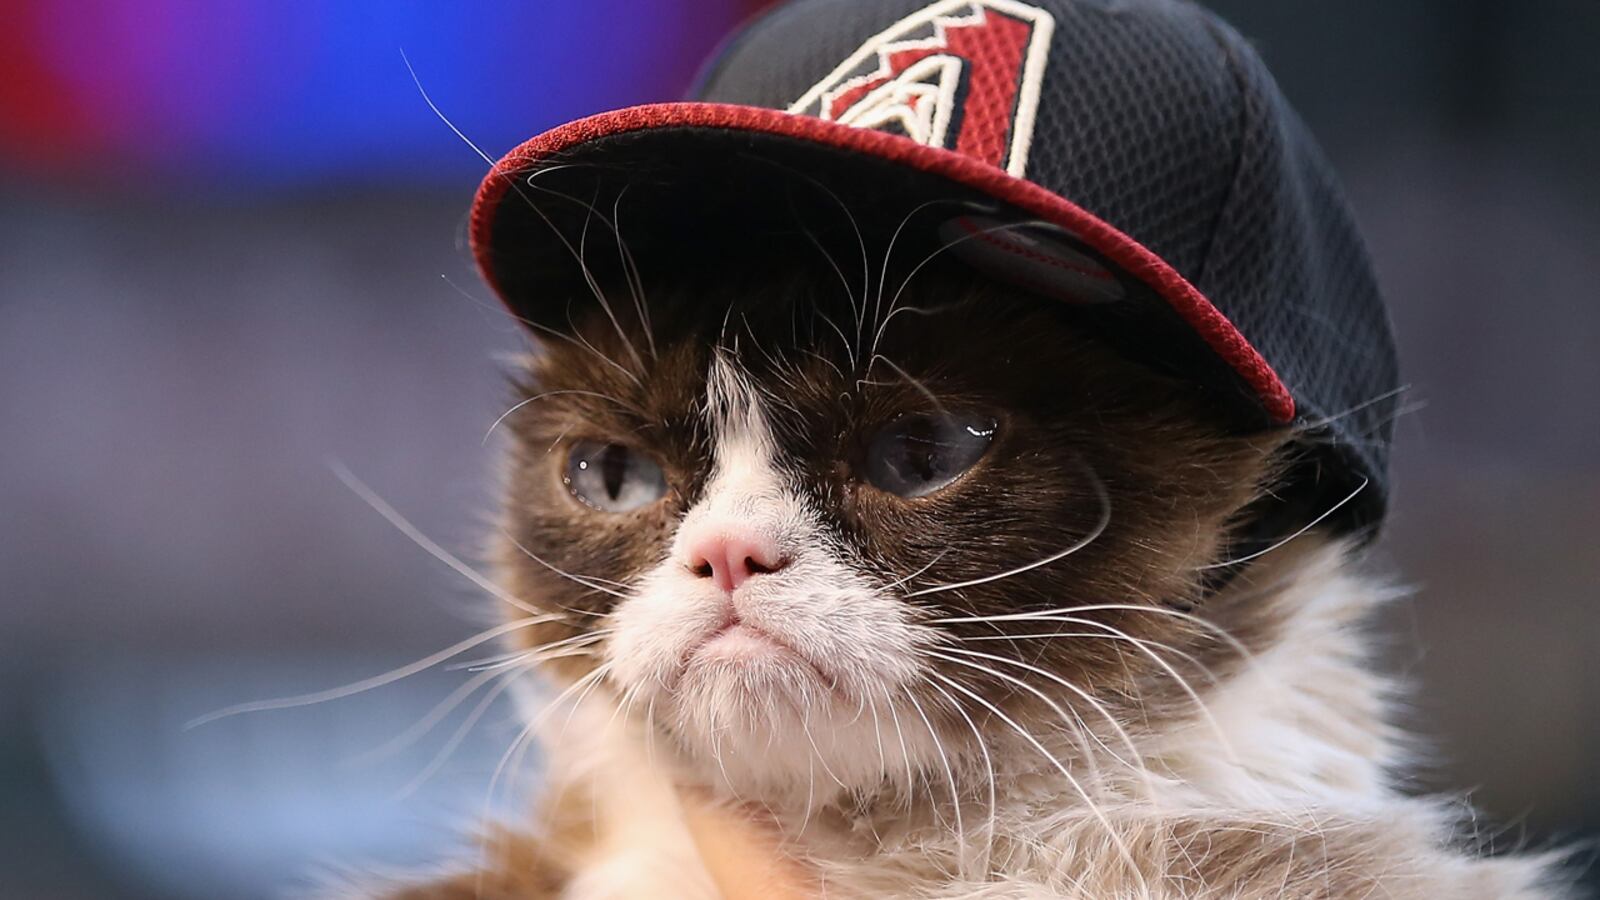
point(1281, 788)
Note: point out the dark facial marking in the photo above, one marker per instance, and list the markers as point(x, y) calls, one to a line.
point(985, 435)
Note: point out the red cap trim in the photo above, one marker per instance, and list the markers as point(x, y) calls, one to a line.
point(1128, 254)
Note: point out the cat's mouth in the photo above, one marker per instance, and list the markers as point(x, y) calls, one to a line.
point(739, 643)
point(736, 638)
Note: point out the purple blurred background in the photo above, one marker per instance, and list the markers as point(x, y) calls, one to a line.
point(230, 251)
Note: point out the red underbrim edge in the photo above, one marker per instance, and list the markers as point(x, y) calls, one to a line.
point(1134, 258)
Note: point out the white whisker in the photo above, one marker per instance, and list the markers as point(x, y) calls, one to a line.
point(883, 325)
point(1135, 758)
point(584, 580)
point(1093, 535)
point(425, 724)
point(988, 766)
point(949, 773)
point(630, 271)
point(368, 684)
point(930, 564)
point(1094, 808)
point(460, 734)
point(888, 254)
point(404, 526)
point(905, 752)
point(1051, 615)
point(522, 403)
point(1302, 530)
point(442, 117)
point(1183, 683)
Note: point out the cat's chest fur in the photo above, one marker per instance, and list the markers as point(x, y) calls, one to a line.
point(1281, 788)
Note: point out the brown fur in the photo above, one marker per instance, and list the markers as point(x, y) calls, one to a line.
point(1176, 477)
point(1180, 480)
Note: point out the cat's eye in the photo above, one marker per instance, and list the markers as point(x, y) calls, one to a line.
point(612, 477)
point(913, 456)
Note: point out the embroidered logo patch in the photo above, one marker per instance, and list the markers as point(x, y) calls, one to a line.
point(963, 75)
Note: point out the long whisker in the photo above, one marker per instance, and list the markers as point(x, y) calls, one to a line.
point(930, 564)
point(1183, 683)
point(805, 728)
point(530, 182)
point(507, 679)
point(577, 253)
point(404, 526)
point(442, 117)
point(1302, 530)
point(883, 325)
point(1186, 656)
point(988, 766)
point(425, 724)
point(949, 773)
point(1050, 615)
point(450, 745)
point(375, 681)
point(520, 742)
point(580, 642)
point(905, 752)
point(487, 673)
point(590, 212)
point(849, 345)
point(1351, 410)
point(825, 361)
point(1190, 658)
point(1093, 535)
point(521, 403)
point(1024, 637)
point(1069, 716)
point(1134, 762)
point(630, 269)
point(921, 388)
point(861, 242)
point(586, 581)
point(577, 338)
point(540, 327)
point(1094, 808)
point(888, 254)
point(877, 732)
point(483, 663)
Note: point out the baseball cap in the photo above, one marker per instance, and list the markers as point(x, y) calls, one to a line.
point(1129, 159)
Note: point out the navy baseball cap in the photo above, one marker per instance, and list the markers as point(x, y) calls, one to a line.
point(1130, 159)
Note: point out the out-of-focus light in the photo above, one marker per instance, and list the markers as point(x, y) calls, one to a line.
point(257, 92)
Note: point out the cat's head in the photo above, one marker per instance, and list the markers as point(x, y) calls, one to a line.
point(818, 535)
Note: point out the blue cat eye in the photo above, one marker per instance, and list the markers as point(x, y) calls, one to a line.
point(612, 478)
point(915, 455)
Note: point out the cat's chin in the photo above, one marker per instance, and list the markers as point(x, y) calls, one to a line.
point(744, 673)
point(740, 648)
point(742, 691)
point(761, 723)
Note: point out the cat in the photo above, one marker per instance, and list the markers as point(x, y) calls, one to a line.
point(952, 595)
point(950, 456)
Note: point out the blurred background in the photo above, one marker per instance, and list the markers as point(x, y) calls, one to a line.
point(231, 250)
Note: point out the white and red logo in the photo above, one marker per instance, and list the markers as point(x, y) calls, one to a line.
point(963, 75)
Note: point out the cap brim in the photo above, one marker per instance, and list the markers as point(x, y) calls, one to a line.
point(649, 141)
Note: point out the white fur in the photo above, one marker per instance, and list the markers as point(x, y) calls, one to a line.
point(1296, 749)
point(797, 724)
point(1284, 764)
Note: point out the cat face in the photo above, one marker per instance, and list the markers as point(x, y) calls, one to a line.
point(809, 540)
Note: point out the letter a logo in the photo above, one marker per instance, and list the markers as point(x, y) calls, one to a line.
point(963, 75)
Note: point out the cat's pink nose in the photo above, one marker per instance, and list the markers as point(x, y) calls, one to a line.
point(730, 561)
